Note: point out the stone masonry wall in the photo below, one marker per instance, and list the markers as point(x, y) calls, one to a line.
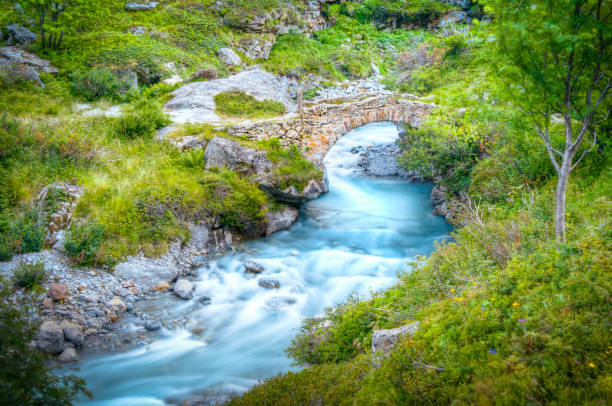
point(322, 124)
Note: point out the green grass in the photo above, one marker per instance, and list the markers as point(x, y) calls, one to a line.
point(241, 105)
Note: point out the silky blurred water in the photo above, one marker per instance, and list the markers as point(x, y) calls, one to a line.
point(353, 239)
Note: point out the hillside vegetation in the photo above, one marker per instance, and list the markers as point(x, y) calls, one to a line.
point(508, 312)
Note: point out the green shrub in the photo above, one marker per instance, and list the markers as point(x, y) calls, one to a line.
point(239, 104)
point(193, 159)
point(29, 275)
point(25, 377)
point(142, 121)
point(22, 233)
point(294, 169)
point(99, 83)
point(83, 242)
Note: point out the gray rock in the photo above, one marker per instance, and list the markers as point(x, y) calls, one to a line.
point(69, 355)
point(17, 63)
point(253, 267)
point(137, 30)
point(381, 160)
point(292, 195)
point(117, 305)
point(183, 289)
point(229, 57)
point(50, 337)
point(152, 325)
point(375, 69)
point(269, 283)
point(133, 6)
point(281, 220)
point(384, 340)
point(195, 102)
point(205, 300)
point(73, 332)
point(20, 35)
point(257, 46)
point(224, 153)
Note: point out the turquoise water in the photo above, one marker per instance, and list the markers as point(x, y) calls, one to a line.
point(353, 239)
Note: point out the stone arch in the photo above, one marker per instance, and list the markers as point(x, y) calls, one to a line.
point(324, 123)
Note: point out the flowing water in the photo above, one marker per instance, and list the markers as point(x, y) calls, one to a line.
point(353, 239)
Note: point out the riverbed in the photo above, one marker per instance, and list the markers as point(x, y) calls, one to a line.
point(352, 240)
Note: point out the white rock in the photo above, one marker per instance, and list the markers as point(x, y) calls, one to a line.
point(229, 57)
point(183, 289)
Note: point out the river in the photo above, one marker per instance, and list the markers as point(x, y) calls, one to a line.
point(353, 239)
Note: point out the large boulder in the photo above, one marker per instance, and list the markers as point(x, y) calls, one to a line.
point(281, 219)
point(292, 195)
point(195, 102)
point(225, 153)
point(73, 332)
point(50, 337)
point(58, 291)
point(183, 289)
point(229, 57)
point(16, 63)
point(19, 35)
point(117, 305)
point(384, 340)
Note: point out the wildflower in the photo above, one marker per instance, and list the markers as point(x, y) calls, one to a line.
point(474, 283)
point(493, 351)
point(515, 304)
point(452, 290)
point(591, 365)
point(522, 320)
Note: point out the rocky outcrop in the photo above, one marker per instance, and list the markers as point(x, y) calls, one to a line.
point(19, 35)
point(281, 219)
point(229, 57)
point(16, 63)
point(381, 160)
point(195, 102)
point(61, 198)
point(256, 46)
point(385, 340)
point(225, 153)
point(292, 195)
point(447, 205)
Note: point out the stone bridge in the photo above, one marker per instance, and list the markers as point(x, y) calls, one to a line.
point(322, 124)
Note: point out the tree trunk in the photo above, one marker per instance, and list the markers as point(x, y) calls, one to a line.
point(562, 180)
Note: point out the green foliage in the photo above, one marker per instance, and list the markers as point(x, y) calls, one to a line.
point(293, 169)
point(55, 20)
point(25, 378)
point(239, 104)
point(145, 117)
point(21, 233)
point(99, 83)
point(448, 147)
point(29, 275)
point(83, 243)
point(194, 159)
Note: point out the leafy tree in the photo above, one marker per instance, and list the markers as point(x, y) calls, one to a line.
point(25, 379)
point(57, 18)
point(554, 58)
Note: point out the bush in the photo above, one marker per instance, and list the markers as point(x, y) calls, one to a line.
point(145, 118)
point(21, 234)
point(240, 104)
point(99, 83)
point(25, 377)
point(29, 275)
point(83, 242)
point(294, 169)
